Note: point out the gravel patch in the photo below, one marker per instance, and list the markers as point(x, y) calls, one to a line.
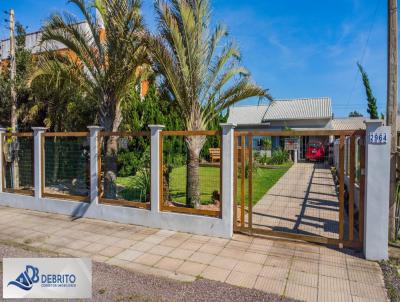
point(111, 283)
point(392, 280)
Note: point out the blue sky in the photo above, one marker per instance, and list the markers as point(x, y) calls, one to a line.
point(302, 48)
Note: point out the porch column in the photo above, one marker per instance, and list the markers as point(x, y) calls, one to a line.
point(155, 169)
point(2, 176)
point(94, 167)
point(377, 179)
point(37, 160)
point(227, 171)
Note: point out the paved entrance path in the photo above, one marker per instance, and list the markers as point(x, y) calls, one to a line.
point(303, 201)
point(300, 271)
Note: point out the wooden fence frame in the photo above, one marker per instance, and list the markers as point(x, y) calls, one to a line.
point(17, 191)
point(211, 213)
point(120, 202)
point(341, 241)
point(69, 197)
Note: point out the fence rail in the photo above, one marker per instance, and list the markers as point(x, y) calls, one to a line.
point(190, 179)
point(18, 171)
point(66, 166)
point(164, 162)
point(124, 177)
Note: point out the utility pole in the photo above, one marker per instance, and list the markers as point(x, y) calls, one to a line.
point(391, 117)
point(14, 114)
point(13, 71)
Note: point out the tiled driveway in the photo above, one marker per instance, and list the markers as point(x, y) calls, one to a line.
point(303, 201)
point(301, 271)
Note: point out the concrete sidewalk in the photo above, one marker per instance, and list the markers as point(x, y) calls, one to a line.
point(296, 270)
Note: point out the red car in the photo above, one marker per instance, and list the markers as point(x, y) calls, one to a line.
point(315, 151)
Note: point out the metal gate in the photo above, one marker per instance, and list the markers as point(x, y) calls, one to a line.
point(311, 191)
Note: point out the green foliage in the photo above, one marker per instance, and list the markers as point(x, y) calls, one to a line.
point(266, 143)
point(154, 108)
point(372, 106)
point(143, 182)
point(355, 113)
point(247, 170)
point(278, 157)
point(134, 158)
point(59, 104)
point(110, 62)
point(25, 67)
point(202, 72)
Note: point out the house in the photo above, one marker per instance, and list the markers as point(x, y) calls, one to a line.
point(293, 114)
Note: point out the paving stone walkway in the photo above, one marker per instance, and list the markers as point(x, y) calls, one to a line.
point(303, 201)
point(296, 270)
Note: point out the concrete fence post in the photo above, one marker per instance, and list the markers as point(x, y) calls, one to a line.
point(155, 170)
point(94, 168)
point(377, 167)
point(37, 159)
point(228, 140)
point(2, 176)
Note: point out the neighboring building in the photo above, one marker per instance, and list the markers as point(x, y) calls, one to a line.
point(33, 44)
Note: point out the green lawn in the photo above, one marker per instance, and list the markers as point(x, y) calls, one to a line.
point(209, 182)
point(263, 180)
point(131, 191)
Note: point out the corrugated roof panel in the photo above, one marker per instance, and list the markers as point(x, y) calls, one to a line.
point(350, 123)
point(246, 115)
point(299, 109)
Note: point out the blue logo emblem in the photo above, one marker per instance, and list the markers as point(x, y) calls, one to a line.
point(27, 278)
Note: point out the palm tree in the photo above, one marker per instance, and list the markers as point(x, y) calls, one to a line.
point(203, 77)
point(106, 61)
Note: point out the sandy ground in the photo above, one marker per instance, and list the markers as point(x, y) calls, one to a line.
point(111, 283)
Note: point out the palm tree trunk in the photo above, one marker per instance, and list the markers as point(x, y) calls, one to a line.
point(56, 157)
point(111, 123)
point(194, 144)
point(110, 168)
point(166, 177)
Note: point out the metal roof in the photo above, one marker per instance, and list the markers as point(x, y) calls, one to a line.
point(247, 115)
point(296, 109)
point(348, 123)
point(299, 109)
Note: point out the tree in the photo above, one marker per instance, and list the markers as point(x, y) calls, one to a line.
point(106, 62)
point(15, 93)
point(372, 106)
point(355, 113)
point(201, 74)
point(25, 67)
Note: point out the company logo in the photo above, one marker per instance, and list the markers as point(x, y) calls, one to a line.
point(55, 278)
point(27, 278)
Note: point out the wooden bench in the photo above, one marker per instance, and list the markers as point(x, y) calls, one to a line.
point(215, 154)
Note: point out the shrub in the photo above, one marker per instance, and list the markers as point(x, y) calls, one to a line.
point(143, 183)
point(279, 157)
point(132, 159)
point(246, 170)
point(128, 163)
